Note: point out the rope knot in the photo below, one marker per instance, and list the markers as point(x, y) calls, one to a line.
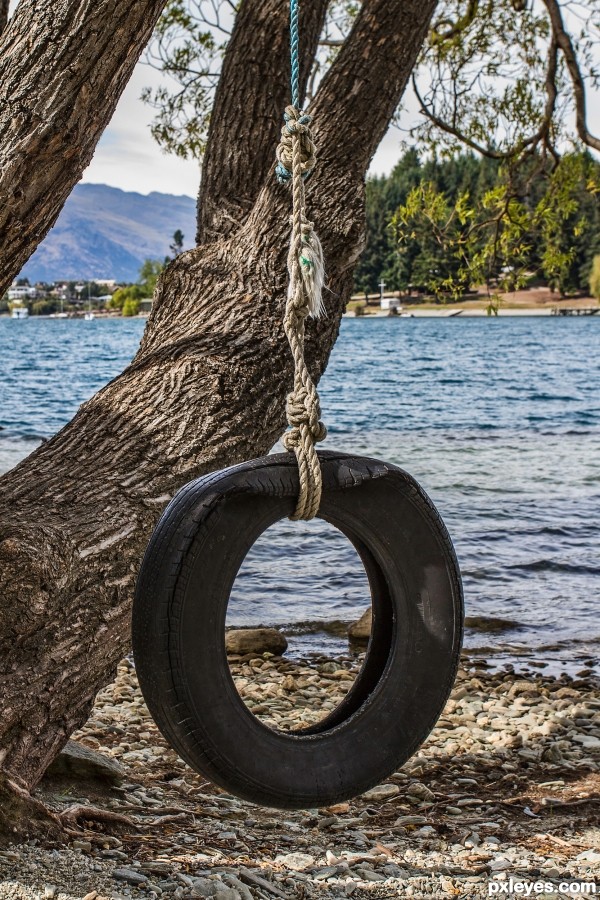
point(303, 411)
point(296, 123)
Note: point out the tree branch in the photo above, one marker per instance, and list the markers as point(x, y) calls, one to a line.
point(453, 29)
point(524, 146)
point(563, 39)
point(363, 88)
point(63, 68)
point(245, 124)
point(453, 130)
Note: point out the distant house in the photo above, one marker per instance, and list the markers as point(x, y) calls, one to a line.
point(22, 293)
point(390, 303)
point(146, 305)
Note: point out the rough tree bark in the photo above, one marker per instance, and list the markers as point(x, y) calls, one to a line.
point(205, 390)
point(63, 67)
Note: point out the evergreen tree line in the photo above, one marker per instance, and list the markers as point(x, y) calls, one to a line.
point(446, 226)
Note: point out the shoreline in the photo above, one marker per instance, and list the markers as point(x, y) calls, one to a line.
point(450, 313)
point(507, 785)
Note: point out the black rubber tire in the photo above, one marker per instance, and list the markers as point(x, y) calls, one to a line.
point(179, 615)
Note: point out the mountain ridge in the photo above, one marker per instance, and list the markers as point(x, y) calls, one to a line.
point(104, 232)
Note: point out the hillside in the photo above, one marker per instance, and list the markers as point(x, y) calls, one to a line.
point(104, 232)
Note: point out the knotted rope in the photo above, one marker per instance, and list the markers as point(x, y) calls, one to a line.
point(296, 159)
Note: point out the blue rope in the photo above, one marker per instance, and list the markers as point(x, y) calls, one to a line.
point(292, 115)
point(295, 51)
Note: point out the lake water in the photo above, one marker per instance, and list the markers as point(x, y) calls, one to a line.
point(499, 419)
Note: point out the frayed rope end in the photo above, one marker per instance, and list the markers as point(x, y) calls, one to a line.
point(312, 267)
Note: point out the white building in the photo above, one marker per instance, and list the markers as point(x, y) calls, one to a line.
point(22, 292)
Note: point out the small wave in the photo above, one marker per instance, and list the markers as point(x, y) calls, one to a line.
point(335, 627)
point(491, 624)
point(22, 437)
point(549, 565)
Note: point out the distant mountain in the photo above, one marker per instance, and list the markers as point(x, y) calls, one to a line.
point(103, 232)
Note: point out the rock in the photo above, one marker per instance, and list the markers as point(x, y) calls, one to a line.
point(360, 631)
point(84, 846)
point(240, 887)
point(552, 754)
point(420, 791)
point(325, 872)
point(295, 861)
point(77, 761)
point(382, 792)
point(588, 741)
point(202, 887)
point(255, 640)
point(260, 882)
point(521, 687)
point(410, 820)
point(129, 876)
point(592, 856)
point(499, 865)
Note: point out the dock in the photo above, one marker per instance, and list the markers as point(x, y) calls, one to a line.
point(583, 311)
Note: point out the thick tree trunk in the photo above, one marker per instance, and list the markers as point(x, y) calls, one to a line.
point(205, 390)
point(63, 67)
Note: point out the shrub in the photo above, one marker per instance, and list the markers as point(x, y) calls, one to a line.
point(131, 307)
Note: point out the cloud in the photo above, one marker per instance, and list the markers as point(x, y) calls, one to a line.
point(127, 155)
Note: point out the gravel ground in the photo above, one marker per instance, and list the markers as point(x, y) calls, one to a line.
point(506, 792)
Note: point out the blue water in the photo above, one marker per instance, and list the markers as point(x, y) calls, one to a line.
point(499, 419)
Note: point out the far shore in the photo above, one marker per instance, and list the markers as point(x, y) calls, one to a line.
point(451, 313)
point(538, 301)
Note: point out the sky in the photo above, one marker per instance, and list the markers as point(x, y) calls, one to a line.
point(129, 158)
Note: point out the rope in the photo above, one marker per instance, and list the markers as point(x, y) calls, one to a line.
point(296, 160)
point(295, 51)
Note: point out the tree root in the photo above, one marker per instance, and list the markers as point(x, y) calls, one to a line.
point(72, 817)
point(22, 816)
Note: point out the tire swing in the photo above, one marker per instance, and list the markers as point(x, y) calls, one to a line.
point(205, 533)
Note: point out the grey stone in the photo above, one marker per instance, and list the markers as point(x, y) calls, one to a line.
point(203, 887)
point(326, 872)
point(255, 640)
point(129, 876)
point(411, 820)
point(76, 761)
point(382, 792)
point(240, 887)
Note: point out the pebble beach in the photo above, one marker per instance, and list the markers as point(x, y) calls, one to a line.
point(505, 792)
